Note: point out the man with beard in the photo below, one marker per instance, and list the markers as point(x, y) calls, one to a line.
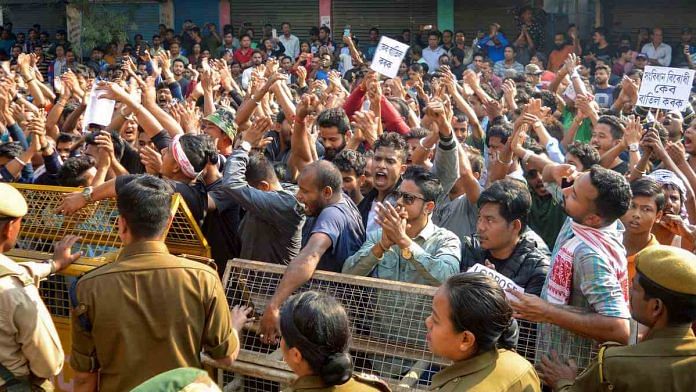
point(499, 242)
point(352, 166)
point(334, 129)
point(178, 68)
point(663, 299)
point(585, 296)
point(607, 133)
point(645, 211)
point(256, 60)
point(562, 48)
point(332, 233)
point(547, 216)
point(604, 92)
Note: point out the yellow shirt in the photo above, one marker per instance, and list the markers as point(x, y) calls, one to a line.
point(632, 259)
point(149, 312)
point(491, 371)
point(28, 338)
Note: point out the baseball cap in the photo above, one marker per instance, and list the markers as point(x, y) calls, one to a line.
point(642, 55)
point(533, 69)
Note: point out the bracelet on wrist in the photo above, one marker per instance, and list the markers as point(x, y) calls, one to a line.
point(21, 162)
point(527, 155)
point(502, 162)
point(420, 142)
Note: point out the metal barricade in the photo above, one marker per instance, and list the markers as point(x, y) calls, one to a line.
point(96, 224)
point(387, 320)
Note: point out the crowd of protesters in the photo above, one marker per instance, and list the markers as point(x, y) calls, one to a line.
point(492, 149)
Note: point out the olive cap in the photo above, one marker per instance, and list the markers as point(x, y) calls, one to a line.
point(670, 267)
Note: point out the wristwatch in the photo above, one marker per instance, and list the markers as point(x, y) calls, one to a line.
point(245, 145)
point(87, 194)
point(633, 147)
point(406, 253)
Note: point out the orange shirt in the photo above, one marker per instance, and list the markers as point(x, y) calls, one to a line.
point(557, 57)
point(632, 259)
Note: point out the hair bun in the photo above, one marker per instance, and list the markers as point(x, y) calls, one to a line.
point(337, 370)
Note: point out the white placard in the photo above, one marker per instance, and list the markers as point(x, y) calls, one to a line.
point(504, 282)
point(665, 88)
point(388, 56)
point(99, 110)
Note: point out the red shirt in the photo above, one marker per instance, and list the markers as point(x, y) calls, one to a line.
point(242, 55)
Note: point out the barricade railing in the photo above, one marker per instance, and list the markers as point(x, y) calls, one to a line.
point(96, 224)
point(387, 320)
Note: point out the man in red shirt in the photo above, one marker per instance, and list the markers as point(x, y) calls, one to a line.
point(243, 54)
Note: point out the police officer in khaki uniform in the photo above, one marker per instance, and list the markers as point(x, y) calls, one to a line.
point(663, 298)
point(316, 334)
point(149, 311)
point(471, 324)
point(30, 350)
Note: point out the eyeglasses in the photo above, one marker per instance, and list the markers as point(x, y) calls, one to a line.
point(409, 198)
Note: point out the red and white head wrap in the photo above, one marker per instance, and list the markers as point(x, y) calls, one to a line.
point(181, 159)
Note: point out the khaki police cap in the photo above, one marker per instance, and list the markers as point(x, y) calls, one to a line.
point(12, 203)
point(670, 267)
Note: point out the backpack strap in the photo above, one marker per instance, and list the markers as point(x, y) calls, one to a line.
point(79, 309)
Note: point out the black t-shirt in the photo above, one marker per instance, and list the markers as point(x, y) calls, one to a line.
point(194, 195)
point(221, 229)
point(621, 168)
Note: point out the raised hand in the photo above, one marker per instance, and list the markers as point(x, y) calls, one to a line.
point(366, 123)
point(254, 135)
point(111, 90)
point(151, 159)
point(308, 105)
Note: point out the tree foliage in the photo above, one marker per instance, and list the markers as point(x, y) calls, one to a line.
point(102, 25)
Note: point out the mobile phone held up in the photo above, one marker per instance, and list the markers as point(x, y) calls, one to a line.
point(274, 33)
point(346, 31)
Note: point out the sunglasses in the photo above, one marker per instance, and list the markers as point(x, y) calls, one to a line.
point(409, 198)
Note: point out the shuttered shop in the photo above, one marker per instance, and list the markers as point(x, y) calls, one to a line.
point(143, 16)
point(200, 12)
point(301, 14)
point(473, 15)
point(626, 17)
point(390, 17)
point(24, 14)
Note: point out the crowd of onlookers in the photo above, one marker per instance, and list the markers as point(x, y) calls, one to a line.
point(497, 149)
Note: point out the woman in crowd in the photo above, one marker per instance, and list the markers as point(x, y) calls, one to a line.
point(316, 338)
point(471, 324)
